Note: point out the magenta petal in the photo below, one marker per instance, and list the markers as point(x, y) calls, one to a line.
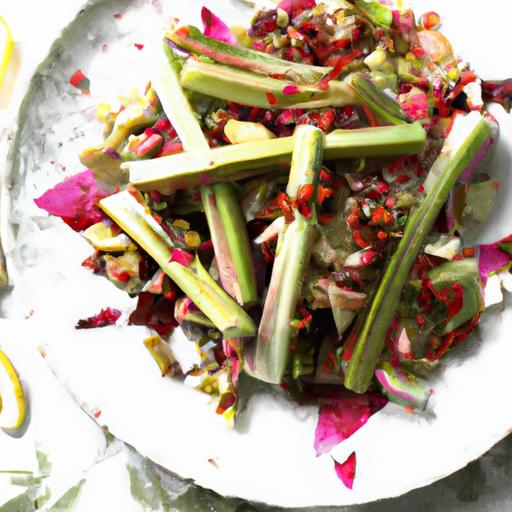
point(342, 415)
point(490, 259)
point(215, 28)
point(74, 200)
point(181, 256)
point(296, 7)
point(346, 471)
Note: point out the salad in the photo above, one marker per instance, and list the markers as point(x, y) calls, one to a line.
point(293, 195)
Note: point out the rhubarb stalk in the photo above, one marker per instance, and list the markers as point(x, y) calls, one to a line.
point(239, 161)
point(232, 84)
point(133, 216)
point(223, 213)
point(292, 258)
point(381, 104)
point(190, 39)
point(463, 148)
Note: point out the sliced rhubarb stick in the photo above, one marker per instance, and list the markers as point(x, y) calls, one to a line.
point(292, 258)
point(470, 135)
point(240, 161)
point(129, 213)
point(220, 201)
point(190, 39)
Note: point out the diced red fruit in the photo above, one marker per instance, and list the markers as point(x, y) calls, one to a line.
point(382, 216)
point(264, 23)
point(271, 98)
point(418, 52)
point(359, 240)
point(107, 316)
point(227, 400)
point(438, 348)
point(430, 20)
point(339, 63)
point(258, 45)
point(93, 262)
point(305, 192)
point(296, 7)
point(322, 194)
point(468, 252)
point(80, 81)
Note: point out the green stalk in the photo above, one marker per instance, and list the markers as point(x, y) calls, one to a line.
point(463, 148)
point(248, 159)
point(276, 331)
point(230, 241)
point(175, 103)
point(190, 39)
point(136, 220)
point(249, 88)
point(220, 201)
point(368, 94)
point(377, 13)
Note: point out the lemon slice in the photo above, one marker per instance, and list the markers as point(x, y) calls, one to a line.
point(12, 399)
point(6, 44)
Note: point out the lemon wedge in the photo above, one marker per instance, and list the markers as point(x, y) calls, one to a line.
point(6, 44)
point(12, 398)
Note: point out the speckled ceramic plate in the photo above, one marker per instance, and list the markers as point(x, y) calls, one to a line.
point(269, 456)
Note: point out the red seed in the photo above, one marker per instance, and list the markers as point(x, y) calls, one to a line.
point(352, 220)
point(390, 202)
point(359, 240)
point(402, 179)
point(418, 52)
point(271, 98)
point(430, 20)
point(468, 252)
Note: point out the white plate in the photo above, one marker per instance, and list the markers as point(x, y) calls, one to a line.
point(269, 457)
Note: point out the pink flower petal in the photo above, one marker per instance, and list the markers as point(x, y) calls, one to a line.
point(181, 256)
point(341, 415)
point(491, 259)
point(74, 200)
point(215, 28)
point(346, 471)
point(296, 7)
